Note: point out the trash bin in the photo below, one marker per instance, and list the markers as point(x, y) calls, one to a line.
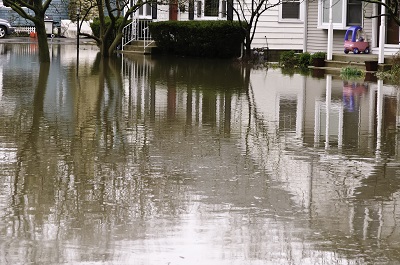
point(48, 24)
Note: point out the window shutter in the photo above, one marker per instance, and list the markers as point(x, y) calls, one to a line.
point(154, 11)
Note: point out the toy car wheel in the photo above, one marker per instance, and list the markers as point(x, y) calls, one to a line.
point(366, 51)
point(356, 51)
point(346, 51)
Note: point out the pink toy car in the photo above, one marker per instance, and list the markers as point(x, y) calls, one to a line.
point(354, 41)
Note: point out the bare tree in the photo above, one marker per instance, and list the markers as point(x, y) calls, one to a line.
point(248, 14)
point(392, 9)
point(110, 34)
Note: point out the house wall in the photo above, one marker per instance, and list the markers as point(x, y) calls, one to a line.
point(270, 32)
point(317, 39)
point(277, 35)
point(57, 10)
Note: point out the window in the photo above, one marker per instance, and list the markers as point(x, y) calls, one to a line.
point(291, 9)
point(145, 10)
point(211, 8)
point(199, 4)
point(353, 9)
point(354, 17)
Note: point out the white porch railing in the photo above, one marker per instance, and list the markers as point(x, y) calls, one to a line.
point(138, 29)
point(129, 33)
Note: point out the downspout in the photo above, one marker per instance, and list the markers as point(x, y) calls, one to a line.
point(305, 27)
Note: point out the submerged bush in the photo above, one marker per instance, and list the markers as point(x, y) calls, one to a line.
point(351, 73)
point(304, 59)
point(392, 75)
point(288, 59)
point(220, 39)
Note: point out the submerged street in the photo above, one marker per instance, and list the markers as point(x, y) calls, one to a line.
point(163, 160)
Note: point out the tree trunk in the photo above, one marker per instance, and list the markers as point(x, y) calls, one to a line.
point(44, 53)
point(113, 46)
point(248, 45)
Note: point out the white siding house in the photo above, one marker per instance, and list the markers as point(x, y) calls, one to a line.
point(346, 13)
point(279, 28)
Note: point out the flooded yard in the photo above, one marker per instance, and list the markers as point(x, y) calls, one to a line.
point(161, 160)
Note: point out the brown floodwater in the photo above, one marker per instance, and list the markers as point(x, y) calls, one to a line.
point(163, 160)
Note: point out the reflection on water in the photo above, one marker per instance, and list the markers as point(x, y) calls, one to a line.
point(142, 160)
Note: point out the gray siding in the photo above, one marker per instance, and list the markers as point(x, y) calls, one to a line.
point(58, 10)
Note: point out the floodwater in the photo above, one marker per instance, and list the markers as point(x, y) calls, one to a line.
point(146, 160)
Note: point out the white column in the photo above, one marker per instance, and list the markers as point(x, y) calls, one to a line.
point(330, 32)
point(382, 34)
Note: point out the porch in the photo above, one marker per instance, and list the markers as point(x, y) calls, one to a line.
point(340, 61)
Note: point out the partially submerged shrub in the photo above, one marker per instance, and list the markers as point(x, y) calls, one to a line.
point(221, 39)
point(304, 59)
point(315, 55)
point(350, 73)
point(288, 59)
point(392, 75)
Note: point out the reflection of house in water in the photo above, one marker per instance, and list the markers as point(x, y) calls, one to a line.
point(333, 133)
point(321, 138)
point(331, 145)
point(352, 92)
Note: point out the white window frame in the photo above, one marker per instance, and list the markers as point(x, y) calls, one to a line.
point(338, 25)
point(144, 16)
point(220, 15)
point(293, 20)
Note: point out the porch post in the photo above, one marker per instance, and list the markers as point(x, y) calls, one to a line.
point(382, 31)
point(330, 33)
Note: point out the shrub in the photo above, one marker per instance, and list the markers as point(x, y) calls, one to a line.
point(349, 73)
point(392, 75)
point(288, 59)
point(304, 59)
point(321, 55)
point(220, 39)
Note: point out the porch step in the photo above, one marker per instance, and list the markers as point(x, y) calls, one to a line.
point(356, 58)
point(342, 64)
point(360, 58)
point(340, 61)
point(138, 47)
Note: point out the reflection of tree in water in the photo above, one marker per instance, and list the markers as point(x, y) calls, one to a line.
point(99, 174)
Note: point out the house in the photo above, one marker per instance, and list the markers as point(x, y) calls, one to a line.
point(57, 11)
point(279, 28)
point(347, 13)
point(295, 25)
